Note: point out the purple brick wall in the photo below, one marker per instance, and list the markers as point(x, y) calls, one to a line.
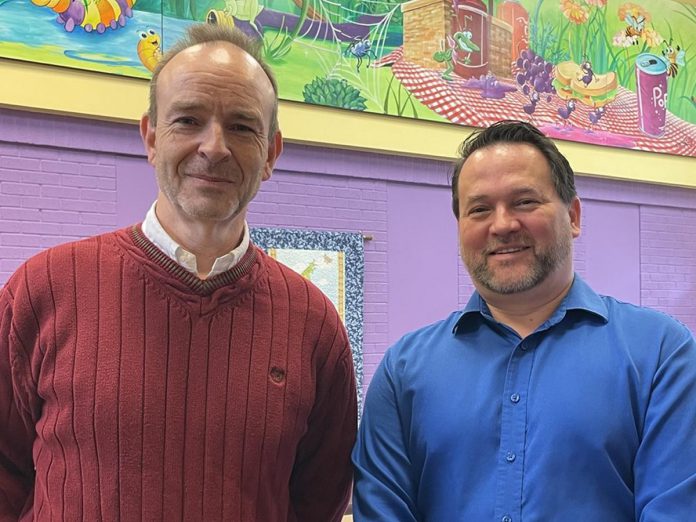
point(65, 178)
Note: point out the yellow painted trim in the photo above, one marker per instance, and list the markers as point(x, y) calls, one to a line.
point(65, 91)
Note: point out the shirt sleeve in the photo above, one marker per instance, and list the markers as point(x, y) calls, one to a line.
point(16, 429)
point(665, 464)
point(322, 474)
point(385, 486)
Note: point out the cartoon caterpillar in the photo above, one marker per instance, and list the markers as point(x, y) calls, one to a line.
point(91, 15)
point(150, 49)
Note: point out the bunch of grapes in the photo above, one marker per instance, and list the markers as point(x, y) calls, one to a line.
point(534, 75)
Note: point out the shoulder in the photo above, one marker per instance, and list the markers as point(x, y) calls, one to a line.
point(57, 266)
point(648, 332)
point(423, 346)
point(72, 250)
point(639, 321)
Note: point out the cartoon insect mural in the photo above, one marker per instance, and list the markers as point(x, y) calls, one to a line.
point(149, 49)
point(587, 74)
point(673, 58)
point(360, 49)
point(461, 41)
point(636, 26)
point(91, 15)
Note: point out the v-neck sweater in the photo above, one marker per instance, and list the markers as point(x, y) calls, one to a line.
point(132, 390)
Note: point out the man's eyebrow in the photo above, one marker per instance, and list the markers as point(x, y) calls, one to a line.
point(237, 114)
point(523, 191)
point(184, 106)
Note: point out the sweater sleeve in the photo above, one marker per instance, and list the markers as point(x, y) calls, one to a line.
point(17, 432)
point(322, 474)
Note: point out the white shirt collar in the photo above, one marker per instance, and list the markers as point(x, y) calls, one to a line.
point(153, 230)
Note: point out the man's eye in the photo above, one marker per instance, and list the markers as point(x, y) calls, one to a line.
point(240, 127)
point(526, 202)
point(185, 120)
point(477, 210)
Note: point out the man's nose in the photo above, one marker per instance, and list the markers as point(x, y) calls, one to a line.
point(213, 145)
point(504, 222)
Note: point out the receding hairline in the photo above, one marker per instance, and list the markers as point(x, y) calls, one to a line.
point(201, 33)
point(200, 47)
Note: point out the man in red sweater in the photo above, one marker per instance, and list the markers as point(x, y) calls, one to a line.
point(172, 370)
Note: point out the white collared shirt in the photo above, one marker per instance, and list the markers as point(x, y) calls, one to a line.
point(153, 230)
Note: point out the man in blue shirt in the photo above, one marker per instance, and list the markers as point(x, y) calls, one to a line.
point(541, 400)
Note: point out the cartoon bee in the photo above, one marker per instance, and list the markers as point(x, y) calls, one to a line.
point(673, 57)
point(635, 28)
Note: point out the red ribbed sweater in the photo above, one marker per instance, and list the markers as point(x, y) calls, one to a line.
point(132, 390)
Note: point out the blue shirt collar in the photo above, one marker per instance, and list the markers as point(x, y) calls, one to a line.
point(580, 297)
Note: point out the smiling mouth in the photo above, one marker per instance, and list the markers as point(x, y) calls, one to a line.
point(209, 179)
point(511, 250)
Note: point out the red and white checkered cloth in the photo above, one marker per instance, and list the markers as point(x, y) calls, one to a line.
point(466, 106)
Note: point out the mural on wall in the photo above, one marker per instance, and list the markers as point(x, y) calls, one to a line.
point(334, 262)
point(607, 72)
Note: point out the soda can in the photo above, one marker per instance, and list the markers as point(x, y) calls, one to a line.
point(651, 80)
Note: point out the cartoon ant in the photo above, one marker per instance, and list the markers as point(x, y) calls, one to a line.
point(360, 49)
point(586, 71)
point(596, 115)
point(565, 112)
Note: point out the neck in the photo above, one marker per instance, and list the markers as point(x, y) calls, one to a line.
point(525, 311)
point(207, 240)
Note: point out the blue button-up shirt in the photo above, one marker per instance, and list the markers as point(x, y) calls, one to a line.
point(590, 418)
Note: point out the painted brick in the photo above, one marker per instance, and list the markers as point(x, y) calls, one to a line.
point(20, 214)
point(25, 240)
point(98, 219)
point(10, 201)
point(68, 180)
point(41, 203)
point(7, 266)
point(84, 230)
point(60, 167)
point(21, 253)
point(29, 177)
point(60, 216)
point(60, 192)
point(72, 156)
point(99, 207)
point(19, 163)
point(100, 171)
point(20, 188)
point(29, 227)
point(98, 195)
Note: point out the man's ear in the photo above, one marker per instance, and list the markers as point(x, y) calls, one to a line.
point(575, 211)
point(147, 133)
point(275, 147)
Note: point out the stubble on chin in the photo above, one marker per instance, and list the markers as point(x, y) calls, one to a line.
point(502, 281)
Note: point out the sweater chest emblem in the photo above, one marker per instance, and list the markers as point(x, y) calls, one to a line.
point(277, 375)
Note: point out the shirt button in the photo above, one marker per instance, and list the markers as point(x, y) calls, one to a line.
point(515, 397)
point(506, 518)
point(523, 346)
point(510, 457)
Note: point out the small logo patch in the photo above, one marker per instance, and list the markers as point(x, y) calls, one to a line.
point(277, 374)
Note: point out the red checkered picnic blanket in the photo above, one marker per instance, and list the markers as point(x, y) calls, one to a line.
point(466, 106)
